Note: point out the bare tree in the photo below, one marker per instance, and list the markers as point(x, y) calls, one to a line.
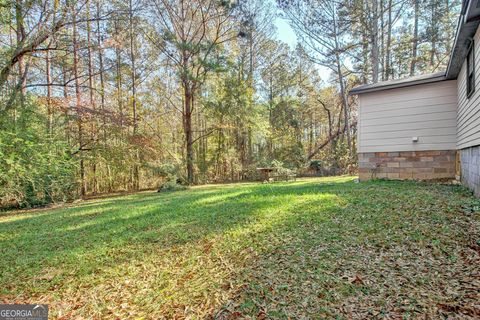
point(133, 80)
point(78, 103)
point(415, 37)
point(31, 37)
point(190, 34)
point(324, 31)
point(374, 30)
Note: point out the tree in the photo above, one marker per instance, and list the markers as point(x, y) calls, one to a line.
point(48, 22)
point(323, 27)
point(191, 35)
point(413, 64)
point(102, 96)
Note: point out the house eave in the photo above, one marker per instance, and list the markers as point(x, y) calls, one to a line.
point(408, 82)
point(468, 23)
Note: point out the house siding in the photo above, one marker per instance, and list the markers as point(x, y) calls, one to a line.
point(468, 115)
point(389, 119)
point(468, 124)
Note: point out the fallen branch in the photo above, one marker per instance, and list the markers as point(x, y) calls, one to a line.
point(329, 139)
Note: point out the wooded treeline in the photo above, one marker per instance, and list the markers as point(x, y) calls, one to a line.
point(100, 96)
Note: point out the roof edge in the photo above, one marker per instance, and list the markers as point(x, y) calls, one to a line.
point(468, 23)
point(388, 86)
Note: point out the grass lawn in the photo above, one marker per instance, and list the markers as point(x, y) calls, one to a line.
point(315, 248)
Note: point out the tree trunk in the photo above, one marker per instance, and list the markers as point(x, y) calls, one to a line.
point(374, 39)
point(49, 94)
point(119, 80)
point(21, 61)
point(66, 97)
point(187, 119)
point(92, 99)
point(342, 85)
point(450, 32)
point(415, 38)
point(101, 72)
point(311, 132)
point(389, 42)
point(434, 31)
point(382, 37)
point(20, 38)
point(83, 184)
point(136, 182)
point(365, 42)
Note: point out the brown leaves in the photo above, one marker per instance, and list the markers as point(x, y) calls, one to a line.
point(357, 280)
point(469, 311)
point(372, 251)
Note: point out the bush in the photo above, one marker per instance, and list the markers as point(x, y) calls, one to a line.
point(34, 170)
point(172, 179)
point(281, 169)
point(171, 185)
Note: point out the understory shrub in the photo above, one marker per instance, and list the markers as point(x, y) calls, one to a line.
point(35, 168)
point(281, 169)
point(172, 185)
point(172, 180)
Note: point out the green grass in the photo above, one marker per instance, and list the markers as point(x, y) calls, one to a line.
point(316, 248)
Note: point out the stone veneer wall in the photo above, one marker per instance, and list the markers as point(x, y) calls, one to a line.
point(417, 165)
point(470, 165)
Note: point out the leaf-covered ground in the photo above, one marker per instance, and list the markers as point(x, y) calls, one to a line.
point(313, 249)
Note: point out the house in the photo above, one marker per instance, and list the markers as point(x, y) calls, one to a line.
point(426, 127)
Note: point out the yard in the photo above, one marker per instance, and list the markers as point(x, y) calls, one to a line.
point(315, 248)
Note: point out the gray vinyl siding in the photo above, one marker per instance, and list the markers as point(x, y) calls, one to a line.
point(389, 119)
point(468, 117)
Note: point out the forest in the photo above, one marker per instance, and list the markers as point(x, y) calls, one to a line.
point(106, 96)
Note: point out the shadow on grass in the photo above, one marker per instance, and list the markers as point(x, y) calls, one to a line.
point(378, 248)
point(298, 233)
point(30, 243)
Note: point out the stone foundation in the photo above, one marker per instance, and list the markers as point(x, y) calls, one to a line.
point(470, 167)
point(407, 165)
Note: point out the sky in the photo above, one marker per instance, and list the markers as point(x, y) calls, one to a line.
point(285, 33)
